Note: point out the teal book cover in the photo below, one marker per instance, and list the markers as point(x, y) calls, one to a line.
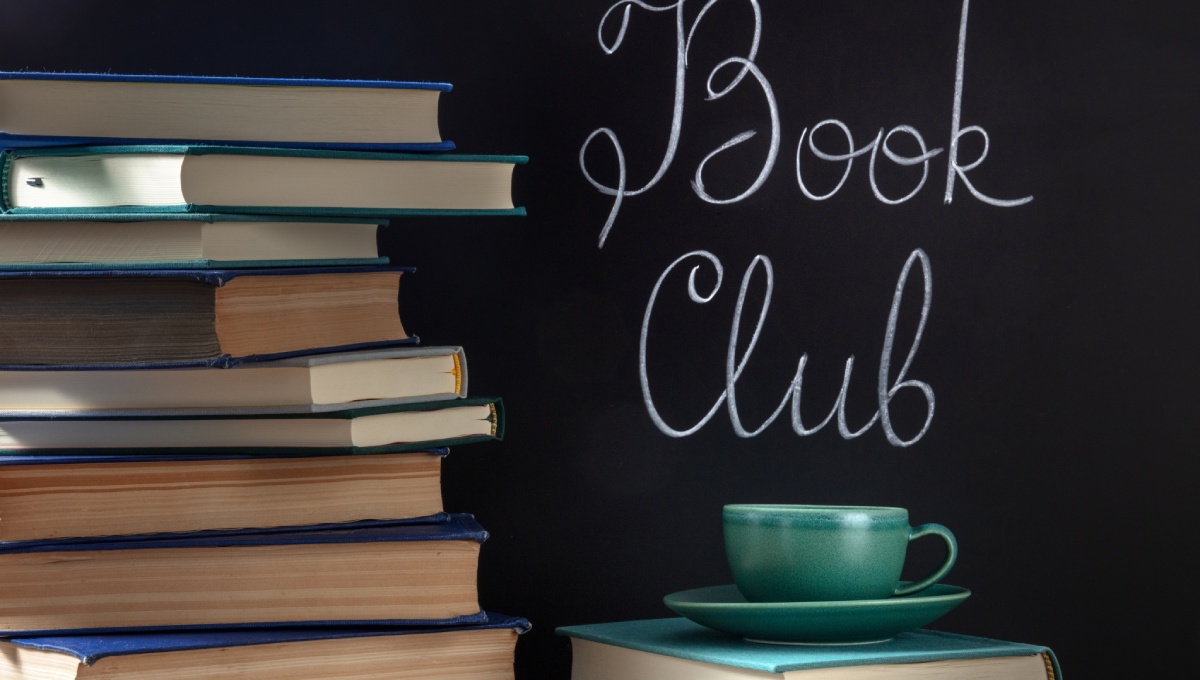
point(392, 428)
point(680, 638)
point(254, 180)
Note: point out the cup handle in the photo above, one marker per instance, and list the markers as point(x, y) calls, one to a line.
point(951, 555)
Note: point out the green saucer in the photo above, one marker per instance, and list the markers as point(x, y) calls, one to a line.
point(723, 608)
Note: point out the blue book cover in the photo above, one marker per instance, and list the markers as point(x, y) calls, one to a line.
point(454, 527)
point(161, 318)
point(125, 241)
point(293, 112)
point(254, 180)
point(91, 648)
point(682, 639)
point(399, 574)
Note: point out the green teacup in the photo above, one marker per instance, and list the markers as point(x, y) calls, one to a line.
point(818, 553)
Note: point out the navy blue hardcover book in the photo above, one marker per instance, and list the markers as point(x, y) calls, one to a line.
point(403, 574)
point(127, 497)
point(468, 651)
point(107, 108)
point(198, 317)
point(254, 180)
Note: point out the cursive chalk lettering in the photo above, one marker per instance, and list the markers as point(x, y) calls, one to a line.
point(744, 66)
point(683, 41)
point(887, 385)
point(956, 132)
point(880, 142)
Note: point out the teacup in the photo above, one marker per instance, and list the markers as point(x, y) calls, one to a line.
point(817, 553)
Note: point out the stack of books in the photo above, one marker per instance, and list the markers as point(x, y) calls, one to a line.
point(199, 331)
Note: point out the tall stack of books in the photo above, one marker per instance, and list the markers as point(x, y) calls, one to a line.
point(198, 332)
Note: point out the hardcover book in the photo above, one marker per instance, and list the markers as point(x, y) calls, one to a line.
point(675, 648)
point(480, 651)
point(404, 574)
point(184, 241)
point(39, 109)
point(198, 317)
point(377, 429)
point(72, 496)
point(302, 384)
point(230, 179)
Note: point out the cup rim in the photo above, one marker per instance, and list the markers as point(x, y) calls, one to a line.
point(810, 508)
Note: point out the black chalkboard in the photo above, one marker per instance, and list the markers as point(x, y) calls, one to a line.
point(1038, 385)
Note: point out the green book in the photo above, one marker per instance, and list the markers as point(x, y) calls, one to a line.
point(253, 180)
point(677, 649)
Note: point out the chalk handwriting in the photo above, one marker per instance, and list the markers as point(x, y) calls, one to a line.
point(683, 42)
point(956, 131)
point(743, 66)
point(880, 141)
point(887, 385)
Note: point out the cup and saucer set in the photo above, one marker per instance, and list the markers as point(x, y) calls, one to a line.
point(821, 575)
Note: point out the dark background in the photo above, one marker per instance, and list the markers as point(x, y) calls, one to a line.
point(1061, 341)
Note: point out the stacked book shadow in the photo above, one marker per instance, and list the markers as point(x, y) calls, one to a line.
point(220, 448)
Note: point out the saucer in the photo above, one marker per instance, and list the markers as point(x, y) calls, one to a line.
point(723, 608)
